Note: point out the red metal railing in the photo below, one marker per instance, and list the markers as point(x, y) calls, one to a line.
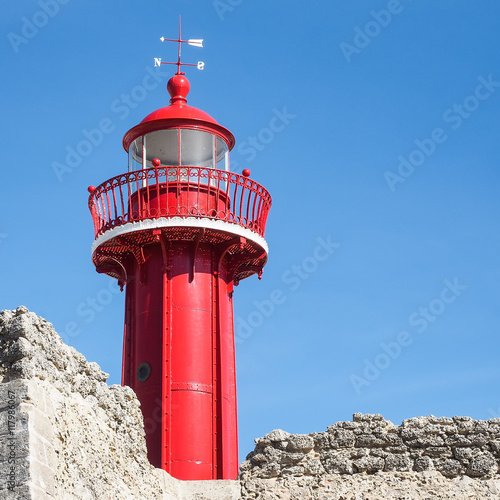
point(179, 192)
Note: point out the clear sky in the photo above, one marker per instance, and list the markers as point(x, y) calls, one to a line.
point(374, 125)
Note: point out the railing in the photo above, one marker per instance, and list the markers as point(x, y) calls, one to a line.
point(179, 192)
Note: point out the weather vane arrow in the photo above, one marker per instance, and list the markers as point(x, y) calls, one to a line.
point(195, 42)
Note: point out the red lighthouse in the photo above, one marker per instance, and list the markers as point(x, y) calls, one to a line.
point(178, 230)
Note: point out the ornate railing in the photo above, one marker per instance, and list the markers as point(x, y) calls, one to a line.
point(179, 192)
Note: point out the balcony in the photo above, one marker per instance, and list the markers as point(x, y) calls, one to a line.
point(186, 193)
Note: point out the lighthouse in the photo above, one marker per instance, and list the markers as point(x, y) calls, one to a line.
point(179, 230)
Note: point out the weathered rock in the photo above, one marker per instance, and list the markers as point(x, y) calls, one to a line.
point(322, 440)
point(338, 465)
point(423, 463)
point(454, 447)
point(398, 463)
point(482, 465)
point(369, 464)
point(343, 438)
point(451, 468)
point(300, 442)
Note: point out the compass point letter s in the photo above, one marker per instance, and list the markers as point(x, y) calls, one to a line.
point(157, 61)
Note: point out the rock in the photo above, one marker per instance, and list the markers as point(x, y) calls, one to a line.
point(423, 464)
point(300, 442)
point(342, 438)
point(482, 465)
point(495, 447)
point(398, 463)
point(257, 458)
point(277, 435)
point(463, 453)
point(338, 465)
point(291, 458)
point(451, 468)
point(369, 464)
point(313, 467)
point(321, 440)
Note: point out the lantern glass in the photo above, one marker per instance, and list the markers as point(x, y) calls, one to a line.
point(179, 147)
point(135, 155)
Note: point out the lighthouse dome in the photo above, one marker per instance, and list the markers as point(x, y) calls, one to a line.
point(180, 112)
point(178, 87)
point(178, 115)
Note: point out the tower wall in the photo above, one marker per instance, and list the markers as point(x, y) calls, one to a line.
point(179, 320)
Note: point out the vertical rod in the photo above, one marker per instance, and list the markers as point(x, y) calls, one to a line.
point(179, 53)
point(166, 363)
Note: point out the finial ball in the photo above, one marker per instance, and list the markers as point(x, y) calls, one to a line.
point(178, 88)
point(91, 189)
point(156, 162)
point(246, 172)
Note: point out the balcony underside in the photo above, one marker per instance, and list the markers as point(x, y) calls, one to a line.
point(247, 249)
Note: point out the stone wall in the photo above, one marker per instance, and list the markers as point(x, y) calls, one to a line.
point(425, 457)
point(66, 434)
point(452, 446)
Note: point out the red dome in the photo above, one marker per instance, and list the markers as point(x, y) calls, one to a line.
point(179, 111)
point(178, 115)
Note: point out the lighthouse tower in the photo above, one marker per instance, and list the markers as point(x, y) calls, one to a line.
point(178, 230)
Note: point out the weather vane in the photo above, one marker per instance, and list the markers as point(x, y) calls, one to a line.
point(192, 41)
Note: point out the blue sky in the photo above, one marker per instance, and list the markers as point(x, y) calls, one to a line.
point(374, 125)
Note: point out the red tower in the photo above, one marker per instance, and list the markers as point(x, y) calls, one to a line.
point(178, 230)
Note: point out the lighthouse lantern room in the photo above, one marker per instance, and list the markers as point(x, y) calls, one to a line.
point(178, 230)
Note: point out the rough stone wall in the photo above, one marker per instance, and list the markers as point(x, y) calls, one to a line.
point(452, 446)
point(425, 457)
point(66, 434)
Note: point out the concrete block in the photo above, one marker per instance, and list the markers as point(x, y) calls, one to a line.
point(39, 423)
point(210, 490)
point(168, 485)
point(41, 476)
